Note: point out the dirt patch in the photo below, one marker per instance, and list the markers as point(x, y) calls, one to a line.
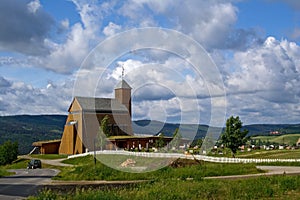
point(179, 163)
point(128, 163)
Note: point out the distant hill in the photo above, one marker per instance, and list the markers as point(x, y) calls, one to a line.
point(289, 139)
point(265, 129)
point(27, 129)
point(168, 129)
point(153, 127)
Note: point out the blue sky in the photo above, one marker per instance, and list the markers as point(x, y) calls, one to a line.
point(45, 47)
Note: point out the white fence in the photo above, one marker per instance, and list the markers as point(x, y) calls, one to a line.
point(187, 156)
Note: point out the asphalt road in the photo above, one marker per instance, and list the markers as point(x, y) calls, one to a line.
point(25, 182)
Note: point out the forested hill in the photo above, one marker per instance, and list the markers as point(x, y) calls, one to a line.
point(27, 129)
point(146, 126)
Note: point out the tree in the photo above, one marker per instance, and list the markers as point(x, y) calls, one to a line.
point(159, 143)
point(233, 137)
point(8, 152)
point(197, 142)
point(104, 125)
point(103, 132)
point(176, 139)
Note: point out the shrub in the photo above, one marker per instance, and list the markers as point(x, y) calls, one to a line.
point(8, 152)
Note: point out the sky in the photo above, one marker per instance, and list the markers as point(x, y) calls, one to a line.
point(192, 61)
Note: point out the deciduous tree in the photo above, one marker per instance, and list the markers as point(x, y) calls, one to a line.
point(233, 137)
point(8, 152)
point(103, 132)
point(176, 139)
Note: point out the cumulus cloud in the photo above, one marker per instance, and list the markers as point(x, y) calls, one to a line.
point(4, 82)
point(209, 22)
point(24, 27)
point(111, 29)
point(261, 76)
point(267, 76)
point(21, 98)
point(65, 24)
point(33, 6)
point(28, 31)
point(171, 89)
point(66, 55)
point(272, 68)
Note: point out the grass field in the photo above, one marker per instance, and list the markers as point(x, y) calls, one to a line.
point(85, 169)
point(289, 139)
point(263, 154)
point(142, 164)
point(18, 164)
point(3, 172)
point(275, 187)
point(181, 180)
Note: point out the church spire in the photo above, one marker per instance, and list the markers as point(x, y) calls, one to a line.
point(123, 92)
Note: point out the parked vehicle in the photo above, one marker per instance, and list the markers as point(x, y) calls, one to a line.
point(34, 163)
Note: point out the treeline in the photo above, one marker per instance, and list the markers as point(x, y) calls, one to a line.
point(27, 129)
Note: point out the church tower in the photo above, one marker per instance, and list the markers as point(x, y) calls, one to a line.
point(123, 94)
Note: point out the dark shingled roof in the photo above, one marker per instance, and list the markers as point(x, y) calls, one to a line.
point(100, 104)
point(122, 84)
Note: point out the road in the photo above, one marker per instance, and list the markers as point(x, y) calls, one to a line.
point(25, 182)
point(55, 162)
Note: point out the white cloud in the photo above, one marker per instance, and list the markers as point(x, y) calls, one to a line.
point(67, 56)
point(170, 89)
point(111, 29)
point(24, 27)
point(209, 22)
point(49, 100)
point(264, 78)
point(272, 68)
point(33, 6)
point(65, 23)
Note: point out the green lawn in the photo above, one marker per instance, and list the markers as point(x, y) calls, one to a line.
point(181, 180)
point(3, 172)
point(275, 187)
point(18, 164)
point(85, 169)
point(289, 139)
point(280, 154)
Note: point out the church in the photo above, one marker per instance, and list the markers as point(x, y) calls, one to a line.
point(84, 119)
point(81, 130)
point(85, 115)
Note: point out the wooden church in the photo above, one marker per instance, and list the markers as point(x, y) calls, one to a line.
point(85, 115)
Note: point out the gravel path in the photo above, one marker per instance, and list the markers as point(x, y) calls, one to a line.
point(56, 162)
point(270, 170)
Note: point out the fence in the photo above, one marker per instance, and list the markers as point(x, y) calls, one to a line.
point(187, 156)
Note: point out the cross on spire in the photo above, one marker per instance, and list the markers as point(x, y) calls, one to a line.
point(122, 71)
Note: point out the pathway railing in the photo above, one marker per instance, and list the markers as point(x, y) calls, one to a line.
point(187, 156)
